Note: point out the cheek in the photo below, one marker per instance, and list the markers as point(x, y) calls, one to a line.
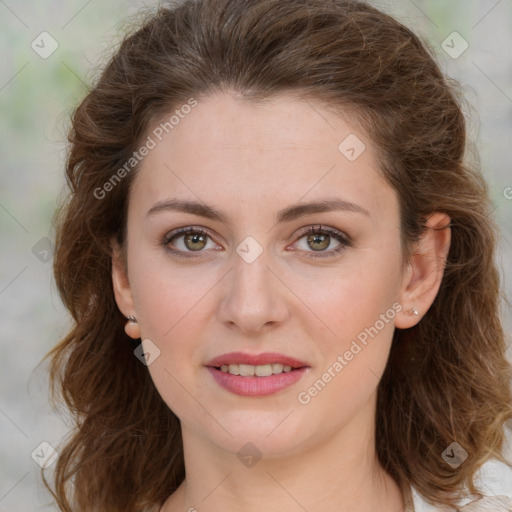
point(176, 329)
point(167, 295)
point(357, 296)
point(353, 360)
point(171, 307)
point(175, 322)
point(359, 308)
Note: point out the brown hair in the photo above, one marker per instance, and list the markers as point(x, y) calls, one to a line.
point(447, 378)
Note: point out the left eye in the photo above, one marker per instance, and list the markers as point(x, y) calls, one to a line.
point(318, 239)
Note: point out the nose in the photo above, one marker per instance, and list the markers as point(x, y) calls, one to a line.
point(254, 297)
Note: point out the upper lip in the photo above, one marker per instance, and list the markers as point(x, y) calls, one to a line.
point(255, 359)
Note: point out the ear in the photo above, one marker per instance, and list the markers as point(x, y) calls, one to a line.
point(425, 270)
point(122, 290)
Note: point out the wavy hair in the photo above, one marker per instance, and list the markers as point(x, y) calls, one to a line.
point(447, 379)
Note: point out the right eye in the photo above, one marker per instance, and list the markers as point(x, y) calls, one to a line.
point(190, 239)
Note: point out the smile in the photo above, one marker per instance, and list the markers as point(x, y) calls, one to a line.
point(263, 374)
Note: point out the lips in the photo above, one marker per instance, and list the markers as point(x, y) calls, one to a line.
point(255, 360)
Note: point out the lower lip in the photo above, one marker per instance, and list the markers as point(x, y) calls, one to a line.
point(256, 386)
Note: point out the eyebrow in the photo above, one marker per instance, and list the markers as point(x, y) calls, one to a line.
point(286, 215)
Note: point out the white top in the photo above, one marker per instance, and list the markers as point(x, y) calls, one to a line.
point(493, 480)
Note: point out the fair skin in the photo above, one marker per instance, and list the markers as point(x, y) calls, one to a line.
point(249, 161)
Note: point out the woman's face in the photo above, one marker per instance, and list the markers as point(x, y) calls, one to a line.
point(253, 281)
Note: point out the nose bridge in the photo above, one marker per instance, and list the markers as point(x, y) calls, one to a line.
point(252, 298)
point(251, 270)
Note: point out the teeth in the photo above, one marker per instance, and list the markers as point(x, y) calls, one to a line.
point(277, 368)
point(246, 370)
point(249, 370)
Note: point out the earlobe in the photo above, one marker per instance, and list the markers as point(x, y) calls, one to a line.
point(425, 271)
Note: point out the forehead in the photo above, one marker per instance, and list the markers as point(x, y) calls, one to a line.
point(284, 122)
point(259, 153)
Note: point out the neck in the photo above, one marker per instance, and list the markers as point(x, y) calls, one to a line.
point(340, 474)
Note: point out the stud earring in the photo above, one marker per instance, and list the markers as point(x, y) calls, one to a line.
point(132, 328)
point(413, 312)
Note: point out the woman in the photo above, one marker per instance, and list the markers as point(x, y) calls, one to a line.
point(281, 273)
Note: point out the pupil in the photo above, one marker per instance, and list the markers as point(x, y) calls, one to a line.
point(195, 240)
point(323, 239)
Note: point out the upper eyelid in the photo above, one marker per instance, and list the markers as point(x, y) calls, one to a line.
point(320, 227)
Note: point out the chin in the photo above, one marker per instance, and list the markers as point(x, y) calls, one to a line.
point(271, 435)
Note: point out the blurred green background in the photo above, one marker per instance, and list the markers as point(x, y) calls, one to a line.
point(37, 96)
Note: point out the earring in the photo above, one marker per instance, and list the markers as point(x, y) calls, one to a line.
point(413, 312)
point(132, 328)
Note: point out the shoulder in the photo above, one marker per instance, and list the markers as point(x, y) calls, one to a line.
point(493, 479)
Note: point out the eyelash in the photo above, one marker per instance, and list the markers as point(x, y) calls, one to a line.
point(312, 230)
